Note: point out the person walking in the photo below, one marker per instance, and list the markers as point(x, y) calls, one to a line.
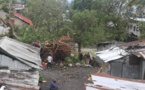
point(91, 58)
point(80, 56)
point(53, 86)
point(49, 58)
point(87, 56)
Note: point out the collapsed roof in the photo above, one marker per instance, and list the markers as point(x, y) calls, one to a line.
point(19, 80)
point(111, 54)
point(102, 81)
point(136, 48)
point(21, 52)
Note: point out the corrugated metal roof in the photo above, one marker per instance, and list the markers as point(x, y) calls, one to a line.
point(22, 52)
point(19, 80)
point(136, 48)
point(22, 18)
point(102, 81)
point(132, 44)
point(12, 64)
point(111, 54)
point(138, 19)
point(139, 53)
point(96, 87)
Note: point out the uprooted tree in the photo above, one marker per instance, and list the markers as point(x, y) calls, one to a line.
point(59, 49)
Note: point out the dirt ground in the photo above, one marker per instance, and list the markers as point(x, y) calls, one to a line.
point(71, 78)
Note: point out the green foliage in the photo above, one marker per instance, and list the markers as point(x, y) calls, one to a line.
point(5, 7)
point(68, 60)
point(72, 59)
point(46, 13)
point(86, 22)
point(1, 1)
point(41, 77)
point(48, 23)
point(19, 1)
point(118, 28)
point(82, 4)
point(142, 29)
point(28, 34)
point(7, 16)
point(66, 31)
point(75, 58)
point(86, 30)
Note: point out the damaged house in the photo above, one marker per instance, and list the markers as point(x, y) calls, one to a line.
point(17, 19)
point(126, 60)
point(19, 65)
point(102, 81)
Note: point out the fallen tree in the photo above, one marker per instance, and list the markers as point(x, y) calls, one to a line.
point(59, 49)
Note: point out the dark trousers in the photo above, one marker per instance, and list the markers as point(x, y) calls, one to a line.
point(53, 89)
point(48, 64)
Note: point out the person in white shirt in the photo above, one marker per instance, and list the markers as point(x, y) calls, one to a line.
point(49, 58)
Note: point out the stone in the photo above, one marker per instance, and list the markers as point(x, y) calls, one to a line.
point(70, 65)
point(78, 64)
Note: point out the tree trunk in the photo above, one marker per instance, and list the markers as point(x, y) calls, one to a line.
point(120, 8)
point(79, 46)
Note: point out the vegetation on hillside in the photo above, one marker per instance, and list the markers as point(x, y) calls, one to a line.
point(88, 22)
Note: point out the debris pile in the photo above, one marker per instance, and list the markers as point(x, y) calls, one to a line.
point(59, 49)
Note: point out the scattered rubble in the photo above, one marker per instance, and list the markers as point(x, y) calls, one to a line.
point(78, 64)
point(70, 65)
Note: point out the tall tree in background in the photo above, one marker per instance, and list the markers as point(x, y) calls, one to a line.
point(7, 9)
point(82, 5)
point(85, 28)
point(110, 11)
point(139, 12)
point(46, 13)
point(90, 21)
point(48, 19)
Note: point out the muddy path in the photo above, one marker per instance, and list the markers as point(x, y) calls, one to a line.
point(71, 78)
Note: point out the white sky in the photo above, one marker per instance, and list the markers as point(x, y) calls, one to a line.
point(69, 1)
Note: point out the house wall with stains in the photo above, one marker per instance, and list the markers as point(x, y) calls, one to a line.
point(142, 69)
point(127, 67)
point(133, 28)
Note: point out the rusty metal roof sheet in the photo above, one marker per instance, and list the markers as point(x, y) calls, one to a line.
point(19, 80)
point(133, 43)
point(139, 53)
point(22, 18)
point(102, 81)
point(22, 52)
point(136, 48)
point(96, 87)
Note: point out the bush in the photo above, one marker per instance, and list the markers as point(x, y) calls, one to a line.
point(41, 78)
point(75, 58)
point(68, 60)
point(5, 8)
point(71, 59)
point(82, 62)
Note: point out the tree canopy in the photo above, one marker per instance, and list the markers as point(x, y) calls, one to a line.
point(86, 21)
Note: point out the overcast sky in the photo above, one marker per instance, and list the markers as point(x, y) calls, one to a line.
point(69, 1)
